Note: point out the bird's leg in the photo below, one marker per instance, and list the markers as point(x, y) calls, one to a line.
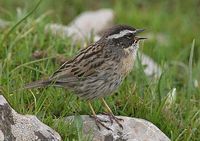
point(111, 115)
point(97, 120)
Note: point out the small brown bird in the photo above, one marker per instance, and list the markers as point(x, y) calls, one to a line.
point(99, 69)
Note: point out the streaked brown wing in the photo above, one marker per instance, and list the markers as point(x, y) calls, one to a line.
point(82, 65)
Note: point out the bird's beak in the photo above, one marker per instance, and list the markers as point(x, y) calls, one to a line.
point(139, 38)
point(136, 39)
point(139, 31)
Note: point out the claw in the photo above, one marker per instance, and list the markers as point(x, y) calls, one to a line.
point(111, 115)
point(116, 119)
point(111, 120)
point(98, 122)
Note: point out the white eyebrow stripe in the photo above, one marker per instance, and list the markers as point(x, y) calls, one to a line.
point(120, 34)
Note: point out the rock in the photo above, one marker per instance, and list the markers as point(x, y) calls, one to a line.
point(134, 129)
point(84, 26)
point(16, 127)
point(151, 67)
point(3, 24)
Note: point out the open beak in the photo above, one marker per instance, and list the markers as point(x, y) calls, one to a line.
point(141, 38)
point(136, 38)
point(139, 31)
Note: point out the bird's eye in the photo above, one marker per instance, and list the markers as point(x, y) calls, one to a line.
point(129, 35)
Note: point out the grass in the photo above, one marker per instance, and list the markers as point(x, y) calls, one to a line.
point(175, 46)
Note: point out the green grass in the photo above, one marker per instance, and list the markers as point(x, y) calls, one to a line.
point(139, 96)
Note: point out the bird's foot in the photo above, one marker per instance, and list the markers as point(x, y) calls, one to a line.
point(113, 117)
point(99, 122)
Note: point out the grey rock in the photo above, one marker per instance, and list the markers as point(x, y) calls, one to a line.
point(84, 26)
point(134, 129)
point(151, 67)
point(16, 127)
point(3, 24)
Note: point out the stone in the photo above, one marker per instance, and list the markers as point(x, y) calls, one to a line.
point(4, 24)
point(17, 127)
point(134, 129)
point(84, 26)
point(151, 67)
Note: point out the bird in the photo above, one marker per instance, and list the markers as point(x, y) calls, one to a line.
point(99, 69)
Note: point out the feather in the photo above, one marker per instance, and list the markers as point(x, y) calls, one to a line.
point(37, 84)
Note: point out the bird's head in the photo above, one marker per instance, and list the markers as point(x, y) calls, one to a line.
point(123, 36)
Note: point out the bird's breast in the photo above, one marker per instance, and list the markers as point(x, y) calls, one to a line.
point(127, 61)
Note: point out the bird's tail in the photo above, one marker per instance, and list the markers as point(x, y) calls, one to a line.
point(37, 84)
